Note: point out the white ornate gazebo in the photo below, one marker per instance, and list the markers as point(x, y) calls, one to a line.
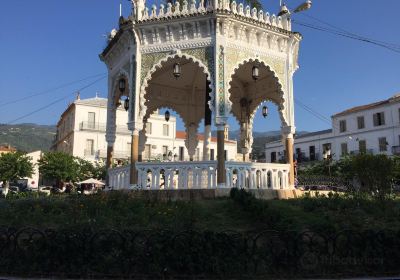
point(218, 46)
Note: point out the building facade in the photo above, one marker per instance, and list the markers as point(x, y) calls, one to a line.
point(81, 132)
point(373, 128)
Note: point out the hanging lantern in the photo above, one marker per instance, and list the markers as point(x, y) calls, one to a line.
point(167, 115)
point(265, 111)
point(126, 104)
point(121, 85)
point(177, 70)
point(255, 72)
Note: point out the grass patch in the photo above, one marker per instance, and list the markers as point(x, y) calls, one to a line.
point(240, 212)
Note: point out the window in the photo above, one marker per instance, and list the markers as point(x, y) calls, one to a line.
point(181, 153)
point(312, 153)
point(148, 128)
point(91, 120)
point(147, 151)
point(165, 129)
point(379, 119)
point(298, 154)
point(326, 147)
point(342, 125)
point(360, 122)
point(89, 151)
point(165, 150)
point(382, 144)
point(362, 146)
point(212, 154)
point(273, 156)
point(343, 147)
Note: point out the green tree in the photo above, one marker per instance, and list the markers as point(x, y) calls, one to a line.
point(375, 173)
point(100, 171)
point(85, 169)
point(14, 166)
point(59, 166)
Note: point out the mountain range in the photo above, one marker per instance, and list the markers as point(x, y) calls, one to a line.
point(30, 137)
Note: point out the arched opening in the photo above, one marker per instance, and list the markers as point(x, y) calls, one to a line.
point(249, 90)
point(181, 84)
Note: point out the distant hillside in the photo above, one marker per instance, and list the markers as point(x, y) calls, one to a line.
point(28, 137)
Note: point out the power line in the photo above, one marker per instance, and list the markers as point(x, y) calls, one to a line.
point(347, 35)
point(49, 90)
point(56, 101)
point(348, 32)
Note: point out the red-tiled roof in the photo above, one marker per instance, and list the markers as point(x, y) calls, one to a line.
point(182, 135)
point(368, 106)
point(7, 148)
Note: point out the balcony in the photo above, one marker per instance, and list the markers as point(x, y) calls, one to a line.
point(101, 127)
point(396, 150)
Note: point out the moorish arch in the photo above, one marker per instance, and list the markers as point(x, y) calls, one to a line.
point(246, 94)
point(187, 95)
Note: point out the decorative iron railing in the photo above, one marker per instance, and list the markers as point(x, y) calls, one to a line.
point(151, 254)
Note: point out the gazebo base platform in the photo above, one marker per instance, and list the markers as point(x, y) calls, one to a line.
point(200, 194)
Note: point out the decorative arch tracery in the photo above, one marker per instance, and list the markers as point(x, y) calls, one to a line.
point(279, 88)
point(164, 58)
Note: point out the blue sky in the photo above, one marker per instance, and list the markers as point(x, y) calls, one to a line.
point(47, 43)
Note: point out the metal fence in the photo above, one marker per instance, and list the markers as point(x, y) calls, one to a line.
point(164, 254)
point(316, 182)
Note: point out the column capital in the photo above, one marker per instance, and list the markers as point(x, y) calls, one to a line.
point(135, 127)
point(288, 131)
point(220, 122)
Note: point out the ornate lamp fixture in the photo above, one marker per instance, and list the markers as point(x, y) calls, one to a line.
point(265, 111)
point(302, 7)
point(121, 85)
point(167, 115)
point(177, 70)
point(126, 104)
point(255, 73)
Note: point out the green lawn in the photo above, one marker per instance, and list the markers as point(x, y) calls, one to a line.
point(243, 213)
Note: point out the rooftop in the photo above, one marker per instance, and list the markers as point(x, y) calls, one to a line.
point(394, 98)
point(315, 133)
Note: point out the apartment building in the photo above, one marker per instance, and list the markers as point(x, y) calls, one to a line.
point(372, 128)
point(82, 127)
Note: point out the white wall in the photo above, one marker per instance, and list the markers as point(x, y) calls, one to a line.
point(75, 136)
point(352, 136)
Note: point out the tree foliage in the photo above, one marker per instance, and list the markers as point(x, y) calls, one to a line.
point(374, 174)
point(59, 166)
point(63, 167)
point(14, 166)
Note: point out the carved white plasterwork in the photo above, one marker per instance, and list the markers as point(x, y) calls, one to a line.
point(191, 141)
point(186, 44)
